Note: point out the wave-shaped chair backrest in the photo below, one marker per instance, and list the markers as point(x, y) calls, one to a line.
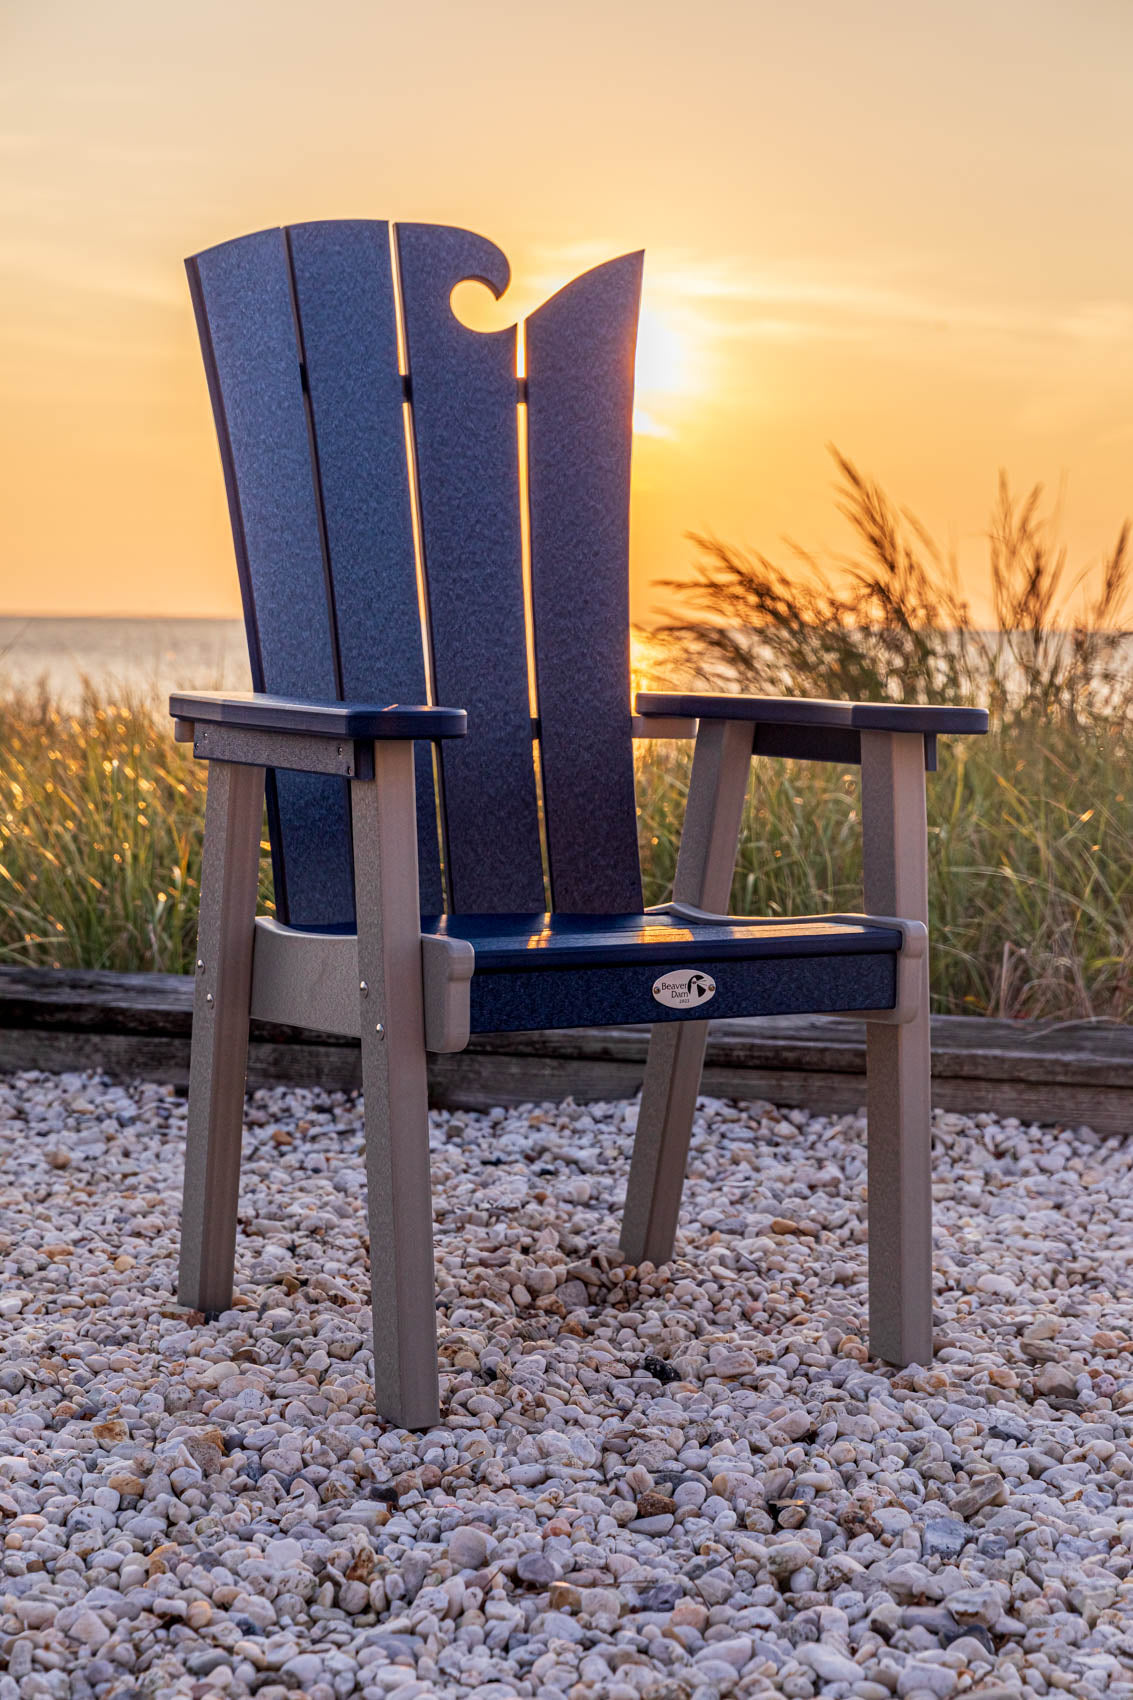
point(345, 472)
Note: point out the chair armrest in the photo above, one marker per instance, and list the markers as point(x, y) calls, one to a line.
point(257, 730)
point(255, 711)
point(812, 712)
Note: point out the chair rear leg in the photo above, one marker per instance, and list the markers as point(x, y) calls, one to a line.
point(660, 1148)
point(396, 1088)
point(705, 864)
point(899, 1061)
point(900, 1191)
point(219, 1056)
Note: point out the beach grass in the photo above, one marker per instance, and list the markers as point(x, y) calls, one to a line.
point(1030, 828)
point(100, 835)
point(1030, 835)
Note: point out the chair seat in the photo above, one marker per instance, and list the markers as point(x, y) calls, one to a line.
point(538, 971)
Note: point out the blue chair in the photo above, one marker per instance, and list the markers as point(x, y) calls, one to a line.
point(441, 871)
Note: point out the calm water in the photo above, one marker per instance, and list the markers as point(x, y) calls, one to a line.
point(152, 656)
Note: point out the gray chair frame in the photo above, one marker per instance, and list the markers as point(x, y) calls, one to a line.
point(374, 986)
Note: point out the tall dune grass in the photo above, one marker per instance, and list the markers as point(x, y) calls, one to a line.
point(100, 835)
point(1031, 828)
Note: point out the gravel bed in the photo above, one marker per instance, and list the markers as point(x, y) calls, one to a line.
point(673, 1484)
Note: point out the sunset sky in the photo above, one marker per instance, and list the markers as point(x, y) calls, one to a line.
point(899, 227)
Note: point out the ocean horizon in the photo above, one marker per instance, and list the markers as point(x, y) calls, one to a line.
point(133, 655)
point(146, 656)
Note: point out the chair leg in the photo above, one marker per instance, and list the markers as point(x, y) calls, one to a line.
point(395, 1085)
point(900, 1191)
point(705, 865)
point(219, 1057)
point(899, 1061)
point(660, 1148)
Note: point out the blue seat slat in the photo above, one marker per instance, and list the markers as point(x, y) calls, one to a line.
point(344, 295)
point(580, 356)
point(622, 993)
point(504, 943)
point(242, 295)
point(463, 389)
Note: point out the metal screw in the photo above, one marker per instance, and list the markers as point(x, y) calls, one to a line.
point(363, 988)
point(208, 997)
point(200, 965)
point(380, 1031)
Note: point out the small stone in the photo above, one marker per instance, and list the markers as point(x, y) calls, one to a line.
point(468, 1547)
point(89, 1629)
point(534, 1568)
point(283, 1554)
point(564, 1596)
point(656, 1505)
point(656, 1525)
point(354, 1597)
point(126, 1483)
point(984, 1604)
point(1054, 1381)
point(919, 1677)
point(827, 1663)
point(785, 1559)
point(660, 1370)
point(984, 1491)
point(716, 1586)
point(199, 1614)
point(206, 1454)
point(944, 1537)
point(305, 1669)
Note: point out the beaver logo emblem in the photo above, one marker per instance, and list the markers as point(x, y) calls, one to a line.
point(684, 990)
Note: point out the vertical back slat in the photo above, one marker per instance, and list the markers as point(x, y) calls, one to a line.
point(580, 356)
point(242, 295)
point(344, 295)
point(463, 390)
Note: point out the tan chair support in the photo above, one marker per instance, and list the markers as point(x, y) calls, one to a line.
point(219, 1061)
point(396, 1088)
point(706, 862)
point(898, 1057)
point(389, 1000)
point(898, 1060)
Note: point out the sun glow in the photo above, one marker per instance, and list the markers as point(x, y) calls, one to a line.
point(668, 371)
point(664, 359)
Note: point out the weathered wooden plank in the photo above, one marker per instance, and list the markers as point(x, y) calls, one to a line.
point(139, 1024)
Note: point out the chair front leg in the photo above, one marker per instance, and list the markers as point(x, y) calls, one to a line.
point(395, 1085)
point(898, 1060)
point(706, 862)
point(219, 1058)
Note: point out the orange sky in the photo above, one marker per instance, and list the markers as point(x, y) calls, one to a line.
point(903, 228)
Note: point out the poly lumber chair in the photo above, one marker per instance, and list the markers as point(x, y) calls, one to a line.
point(411, 518)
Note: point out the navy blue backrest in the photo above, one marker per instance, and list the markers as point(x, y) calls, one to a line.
point(326, 448)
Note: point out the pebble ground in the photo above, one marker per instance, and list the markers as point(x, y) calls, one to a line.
point(648, 1484)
